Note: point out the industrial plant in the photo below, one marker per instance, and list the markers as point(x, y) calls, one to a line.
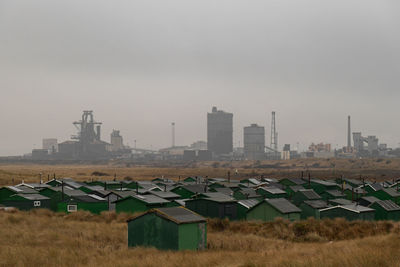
point(87, 144)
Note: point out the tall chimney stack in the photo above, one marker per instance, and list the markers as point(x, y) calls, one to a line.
point(348, 134)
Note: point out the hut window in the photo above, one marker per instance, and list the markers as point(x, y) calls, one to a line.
point(36, 203)
point(71, 208)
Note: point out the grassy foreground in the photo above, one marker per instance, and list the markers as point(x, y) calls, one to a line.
point(44, 238)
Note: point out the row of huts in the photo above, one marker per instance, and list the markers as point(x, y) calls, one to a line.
point(247, 199)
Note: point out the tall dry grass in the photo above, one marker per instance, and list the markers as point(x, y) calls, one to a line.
point(43, 238)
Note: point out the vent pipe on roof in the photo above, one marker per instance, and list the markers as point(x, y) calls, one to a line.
point(137, 187)
point(352, 194)
point(48, 177)
point(121, 186)
point(165, 188)
point(309, 179)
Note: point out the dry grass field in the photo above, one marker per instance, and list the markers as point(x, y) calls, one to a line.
point(371, 169)
point(43, 238)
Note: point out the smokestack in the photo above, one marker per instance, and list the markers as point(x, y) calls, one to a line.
point(348, 134)
point(173, 134)
point(98, 132)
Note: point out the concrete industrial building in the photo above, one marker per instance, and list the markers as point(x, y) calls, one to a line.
point(50, 144)
point(220, 132)
point(117, 143)
point(254, 142)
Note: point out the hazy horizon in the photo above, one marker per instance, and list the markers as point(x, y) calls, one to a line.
point(140, 65)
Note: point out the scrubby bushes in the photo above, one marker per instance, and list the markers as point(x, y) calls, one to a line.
point(309, 230)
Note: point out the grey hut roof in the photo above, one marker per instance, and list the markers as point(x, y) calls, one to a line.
point(123, 194)
point(310, 194)
point(273, 190)
point(296, 188)
point(249, 191)
point(32, 196)
point(89, 198)
point(195, 188)
point(335, 193)
point(22, 190)
point(150, 199)
point(317, 204)
point(391, 191)
point(165, 195)
point(248, 203)
point(283, 205)
point(297, 181)
point(388, 205)
point(322, 182)
point(375, 186)
point(357, 208)
point(178, 215)
point(340, 201)
point(216, 195)
point(277, 185)
point(370, 199)
point(224, 190)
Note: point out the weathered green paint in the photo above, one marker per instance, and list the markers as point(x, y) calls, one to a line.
point(265, 212)
point(183, 192)
point(151, 230)
point(93, 207)
point(26, 204)
point(382, 214)
point(382, 195)
point(308, 211)
point(133, 205)
point(209, 208)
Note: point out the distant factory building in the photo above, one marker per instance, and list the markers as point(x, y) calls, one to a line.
point(220, 132)
point(117, 143)
point(50, 144)
point(254, 142)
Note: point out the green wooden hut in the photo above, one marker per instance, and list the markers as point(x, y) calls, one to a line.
point(246, 193)
point(269, 209)
point(386, 210)
point(387, 194)
point(225, 207)
point(244, 206)
point(7, 191)
point(292, 182)
point(27, 201)
point(332, 194)
point(271, 192)
point(303, 195)
point(188, 191)
point(349, 212)
point(310, 208)
point(140, 203)
point(320, 186)
point(168, 229)
point(92, 203)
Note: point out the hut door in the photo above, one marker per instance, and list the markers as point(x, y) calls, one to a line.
point(202, 236)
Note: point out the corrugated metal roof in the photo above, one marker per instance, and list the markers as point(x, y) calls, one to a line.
point(370, 199)
point(317, 204)
point(150, 199)
point(165, 195)
point(248, 203)
point(322, 182)
point(33, 196)
point(22, 190)
point(87, 198)
point(181, 215)
point(357, 208)
point(283, 205)
point(391, 191)
point(224, 190)
point(297, 181)
point(388, 205)
point(335, 193)
point(273, 190)
point(296, 188)
point(310, 194)
point(340, 201)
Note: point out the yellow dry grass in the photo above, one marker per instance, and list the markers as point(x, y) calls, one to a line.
point(43, 238)
point(371, 169)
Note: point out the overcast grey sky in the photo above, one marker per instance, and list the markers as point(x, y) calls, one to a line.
point(142, 64)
